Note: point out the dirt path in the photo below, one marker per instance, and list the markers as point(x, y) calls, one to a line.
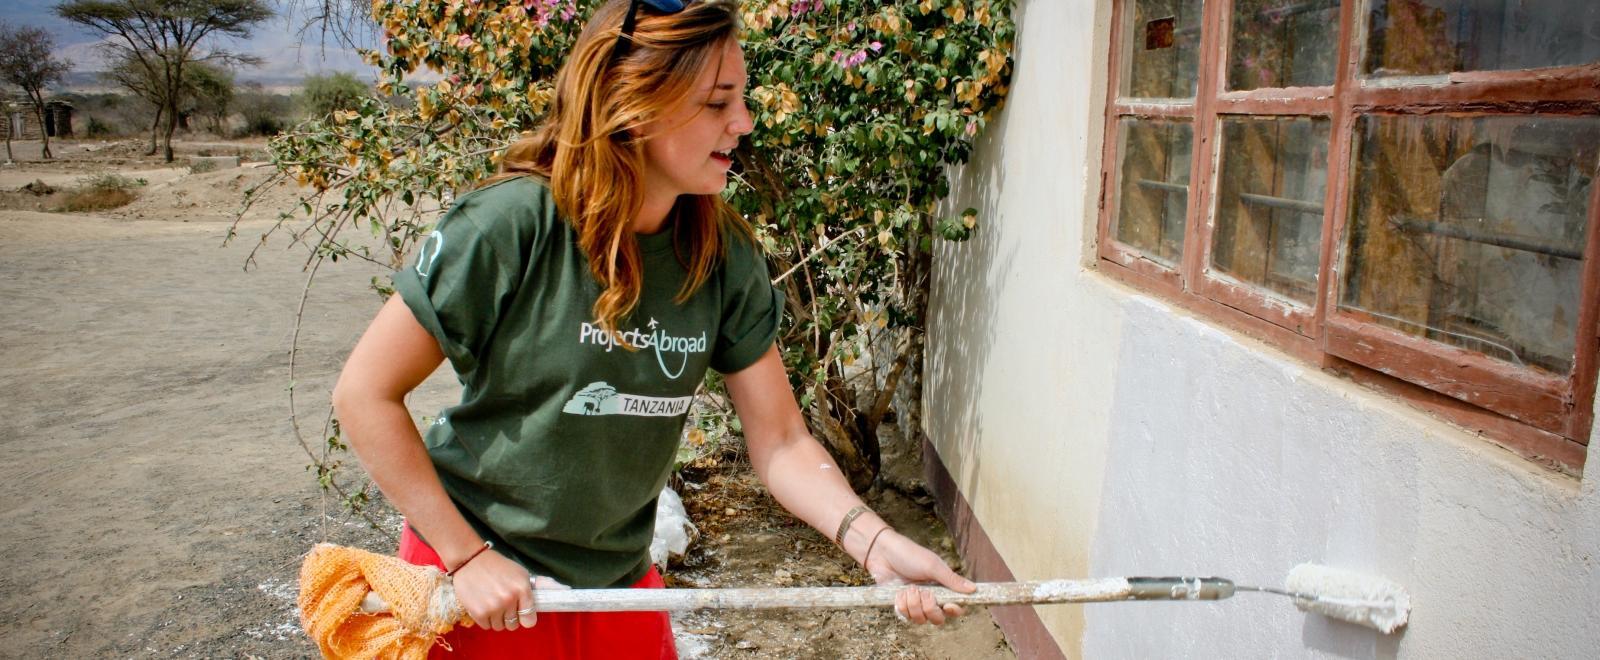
point(155, 503)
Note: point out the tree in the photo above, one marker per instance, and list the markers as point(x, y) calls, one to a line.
point(7, 106)
point(131, 74)
point(208, 90)
point(164, 38)
point(337, 91)
point(861, 107)
point(27, 62)
point(264, 113)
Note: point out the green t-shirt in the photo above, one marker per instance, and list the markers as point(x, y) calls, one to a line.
point(563, 440)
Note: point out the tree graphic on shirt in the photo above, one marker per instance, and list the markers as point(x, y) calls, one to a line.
point(592, 396)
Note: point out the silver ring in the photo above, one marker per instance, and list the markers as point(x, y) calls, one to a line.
point(526, 612)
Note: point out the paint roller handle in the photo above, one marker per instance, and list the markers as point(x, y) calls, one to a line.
point(1179, 588)
point(1095, 590)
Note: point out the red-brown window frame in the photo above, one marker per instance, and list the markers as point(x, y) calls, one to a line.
point(1542, 417)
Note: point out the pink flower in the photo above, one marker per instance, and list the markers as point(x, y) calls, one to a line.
point(543, 10)
point(848, 59)
point(875, 46)
point(464, 41)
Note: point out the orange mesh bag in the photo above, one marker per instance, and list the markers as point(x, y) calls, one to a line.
point(334, 580)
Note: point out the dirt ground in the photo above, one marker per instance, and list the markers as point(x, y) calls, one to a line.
point(154, 500)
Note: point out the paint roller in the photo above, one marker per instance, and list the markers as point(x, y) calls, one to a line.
point(1358, 598)
point(1345, 595)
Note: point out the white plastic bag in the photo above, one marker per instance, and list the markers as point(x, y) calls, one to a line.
point(674, 532)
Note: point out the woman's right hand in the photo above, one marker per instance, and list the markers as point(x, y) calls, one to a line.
point(498, 593)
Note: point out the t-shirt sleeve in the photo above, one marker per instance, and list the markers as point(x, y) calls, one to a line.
point(458, 286)
point(751, 314)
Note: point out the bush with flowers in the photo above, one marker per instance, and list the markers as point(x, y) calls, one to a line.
point(860, 108)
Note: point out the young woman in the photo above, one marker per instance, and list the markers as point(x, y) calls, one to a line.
point(580, 296)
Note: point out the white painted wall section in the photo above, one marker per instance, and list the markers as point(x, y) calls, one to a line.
point(1099, 431)
point(1015, 407)
point(1228, 458)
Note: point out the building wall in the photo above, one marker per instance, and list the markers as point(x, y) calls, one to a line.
point(19, 125)
point(1095, 430)
point(58, 120)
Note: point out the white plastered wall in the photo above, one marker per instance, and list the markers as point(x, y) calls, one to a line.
point(1099, 431)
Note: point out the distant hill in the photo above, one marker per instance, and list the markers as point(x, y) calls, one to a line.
point(90, 82)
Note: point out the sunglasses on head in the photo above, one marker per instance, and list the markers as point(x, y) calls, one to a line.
point(625, 39)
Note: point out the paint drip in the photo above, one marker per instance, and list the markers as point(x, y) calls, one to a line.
point(1079, 590)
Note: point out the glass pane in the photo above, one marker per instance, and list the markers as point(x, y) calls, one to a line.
point(1283, 43)
point(1162, 49)
point(1470, 231)
point(1425, 37)
point(1269, 203)
point(1154, 195)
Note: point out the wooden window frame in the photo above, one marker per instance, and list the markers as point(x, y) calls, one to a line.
point(1543, 417)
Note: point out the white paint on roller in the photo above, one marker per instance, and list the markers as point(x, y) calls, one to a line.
point(1076, 589)
point(1349, 596)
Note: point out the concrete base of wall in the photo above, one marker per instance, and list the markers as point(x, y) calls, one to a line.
point(1020, 623)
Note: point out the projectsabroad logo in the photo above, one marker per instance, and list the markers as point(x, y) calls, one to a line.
point(656, 339)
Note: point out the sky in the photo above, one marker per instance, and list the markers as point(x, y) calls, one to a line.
point(276, 40)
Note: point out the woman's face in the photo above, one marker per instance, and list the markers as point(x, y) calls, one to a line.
point(688, 149)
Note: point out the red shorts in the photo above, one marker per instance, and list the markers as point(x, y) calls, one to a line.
point(558, 635)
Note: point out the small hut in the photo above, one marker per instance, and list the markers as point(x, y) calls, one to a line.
point(22, 123)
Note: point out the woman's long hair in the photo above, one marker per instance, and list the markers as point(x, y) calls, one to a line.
point(589, 151)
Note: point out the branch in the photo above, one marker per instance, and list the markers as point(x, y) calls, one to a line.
point(294, 417)
point(815, 253)
point(890, 384)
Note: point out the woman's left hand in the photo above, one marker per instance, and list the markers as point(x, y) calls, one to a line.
point(895, 559)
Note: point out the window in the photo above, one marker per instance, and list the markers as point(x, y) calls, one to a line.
point(1399, 190)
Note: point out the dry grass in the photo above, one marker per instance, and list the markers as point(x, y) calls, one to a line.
point(99, 193)
point(95, 199)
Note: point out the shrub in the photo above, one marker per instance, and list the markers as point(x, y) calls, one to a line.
point(338, 91)
point(100, 192)
point(97, 128)
point(261, 125)
point(108, 181)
